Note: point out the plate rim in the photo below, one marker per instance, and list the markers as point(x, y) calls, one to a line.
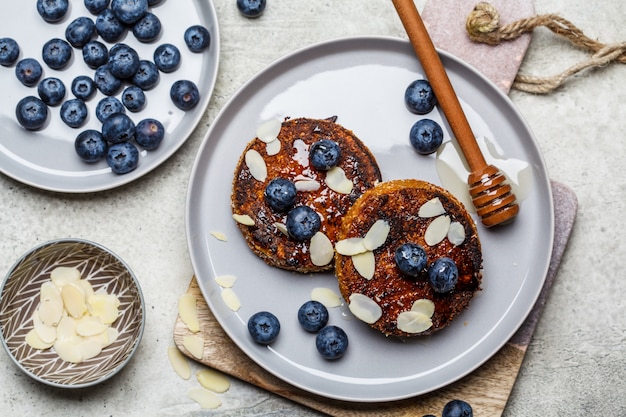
point(336, 43)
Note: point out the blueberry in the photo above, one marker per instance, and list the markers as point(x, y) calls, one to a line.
point(129, 11)
point(51, 90)
point(184, 94)
point(118, 128)
point(197, 38)
point(96, 6)
point(147, 75)
point(443, 275)
point(123, 61)
point(83, 87)
point(90, 145)
point(419, 97)
point(251, 8)
point(95, 54)
point(31, 113)
point(148, 28)
point(105, 81)
point(312, 316)
point(457, 408)
point(28, 71)
point(426, 136)
point(280, 194)
point(122, 157)
point(52, 10)
point(302, 223)
point(411, 258)
point(149, 133)
point(9, 52)
point(109, 27)
point(56, 53)
point(80, 31)
point(167, 57)
point(331, 342)
point(107, 106)
point(264, 327)
point(133, 98)
point(324, 154)
point(74, 112)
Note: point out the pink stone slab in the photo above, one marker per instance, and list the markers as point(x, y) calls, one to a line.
point(445, 21)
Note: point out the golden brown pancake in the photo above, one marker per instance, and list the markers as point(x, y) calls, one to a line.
point(398, 202)
point(291, 162)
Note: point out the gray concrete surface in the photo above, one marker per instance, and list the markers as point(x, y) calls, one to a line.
point(576, 363)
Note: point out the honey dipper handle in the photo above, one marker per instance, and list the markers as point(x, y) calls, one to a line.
point(439, 81)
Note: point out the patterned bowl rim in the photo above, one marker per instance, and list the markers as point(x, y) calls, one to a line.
point(135, 282)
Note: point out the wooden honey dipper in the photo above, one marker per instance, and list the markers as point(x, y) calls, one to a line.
point(491, 195)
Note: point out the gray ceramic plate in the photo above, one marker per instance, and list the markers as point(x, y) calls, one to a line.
point(19, 297)
point(362, 81)
point(46, 159)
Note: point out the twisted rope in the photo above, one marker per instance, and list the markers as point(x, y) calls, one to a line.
point(483, 25)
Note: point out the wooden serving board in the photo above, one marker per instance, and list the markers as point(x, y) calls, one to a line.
point(486, 389)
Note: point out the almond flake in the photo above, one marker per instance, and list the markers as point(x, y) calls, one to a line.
point(47, 334)
point(74, 300)
point(437, 230)
point(188, 312)
point(231, 299)
point(273, 147)
point(179, 362)
point(213, 380)
point(281, 228)
point(424, 306)
point(321, 249)
point(337, 181)
point(219, 236)
point(89, 326)
point(350, 246)
point(243, 219)
point(326, 296)
point(226, 281)
point(256, 165)
point(431, 208)
point(364, 308)
point(33, 340)
point(307, 185)
point(269, 130)
point(89, 348)
point(68, 349)
point(413, 322)
point(377, 235)
point(62, 275)
point(194, 343)
point(365, 264)
point(205, 398)
point(456, 234)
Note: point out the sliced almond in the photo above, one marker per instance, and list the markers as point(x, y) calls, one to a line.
point(89, 348)
point(226, 281)
point(456, 233)
point(365, 264)
point(243, 219)
point(230, 299)
point(321, 249)
point(350, 246)
point(281, 228)
point(179, 362)
point(337, 181)
point(86, 287)
point(47, 334)
point(205, 398)
point(194, 343)
point(256, 165)
point(307, 185)
point(74, 299)
point(364, 308)
point(66, 328)
point(51, 304)
point(431, 208)
point(437, 230)
point(413, 322)
point(377, 235)
point(188, 312)
point(424, 306)
point(69, 349)
point(112, 335)
point(273, 147)
point(326, 296)
point(268, 131)
point(104, 306)
point(62, 275)
point(213, 380)
point(89, 326)
point(33, 340)
point(219, 236)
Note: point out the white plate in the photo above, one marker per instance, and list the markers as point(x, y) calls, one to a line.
point(46, 159)
point(362, 81)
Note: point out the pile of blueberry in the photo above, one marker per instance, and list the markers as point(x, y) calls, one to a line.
point(425, 135)
point(411, 259)
point(456, 408)
point(331, 341)
point(117, 68)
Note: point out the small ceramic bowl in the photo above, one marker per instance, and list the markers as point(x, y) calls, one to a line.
point(20, 296)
